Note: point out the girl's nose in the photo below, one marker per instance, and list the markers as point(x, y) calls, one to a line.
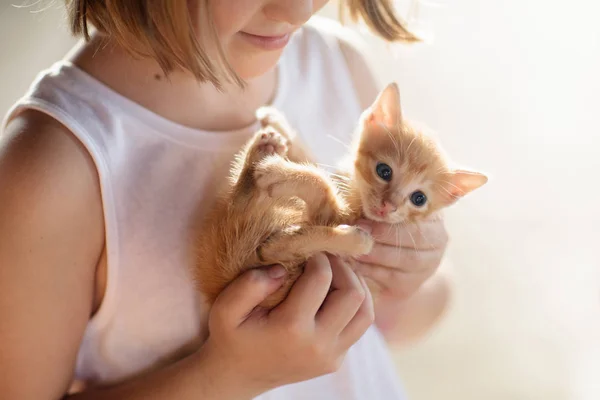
point(294, 12)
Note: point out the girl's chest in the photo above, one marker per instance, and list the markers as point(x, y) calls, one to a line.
point(150, 307)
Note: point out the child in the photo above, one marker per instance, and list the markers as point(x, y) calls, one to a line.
point(111, 158)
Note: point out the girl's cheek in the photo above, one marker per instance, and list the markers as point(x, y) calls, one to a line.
point(231, 16)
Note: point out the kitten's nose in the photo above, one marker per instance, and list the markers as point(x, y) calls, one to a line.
point(386, 208)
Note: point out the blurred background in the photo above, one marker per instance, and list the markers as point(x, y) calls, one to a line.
point(512, 87)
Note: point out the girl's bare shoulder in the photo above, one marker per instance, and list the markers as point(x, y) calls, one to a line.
point(48, 177)
point(51, 237)
point(40, 156)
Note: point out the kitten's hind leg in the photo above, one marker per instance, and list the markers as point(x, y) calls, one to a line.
point(273, 118)
point(301, 242)
point(282, 178)
point(265, 143)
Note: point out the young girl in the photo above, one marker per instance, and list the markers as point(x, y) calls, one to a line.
point(112, 157)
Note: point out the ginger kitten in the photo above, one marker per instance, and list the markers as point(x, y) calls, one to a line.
point(399, 174)
point(280, 209)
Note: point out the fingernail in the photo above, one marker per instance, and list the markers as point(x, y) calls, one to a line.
point(276, 272)
point(319, 258)
point(365, 225)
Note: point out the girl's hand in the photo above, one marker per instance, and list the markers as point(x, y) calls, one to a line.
point(306, 336)
point(404, 255)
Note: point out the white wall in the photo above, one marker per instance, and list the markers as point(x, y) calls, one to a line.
point(511, 86)
point(29, 42)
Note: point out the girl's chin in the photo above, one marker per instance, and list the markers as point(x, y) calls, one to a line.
point(254, 66)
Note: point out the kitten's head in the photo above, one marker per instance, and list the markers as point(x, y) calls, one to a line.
point(400, 172)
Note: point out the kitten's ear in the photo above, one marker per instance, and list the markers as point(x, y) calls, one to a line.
point(460, 183)
point(386, 108)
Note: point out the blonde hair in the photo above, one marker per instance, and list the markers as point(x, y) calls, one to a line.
point(164, 31)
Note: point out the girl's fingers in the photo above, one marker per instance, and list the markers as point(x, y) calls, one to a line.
point(404, 259)
point(426, 235)
point(361, 321)
point(403, 284)
point(309, 291)
point(346, 297)
point(241, 296)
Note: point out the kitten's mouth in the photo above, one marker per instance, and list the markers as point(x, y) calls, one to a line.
point(372, 211)
point(376, 215)
point(379, 212)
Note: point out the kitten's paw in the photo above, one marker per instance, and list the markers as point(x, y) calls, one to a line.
point(268, 142)
point(273, 118)
point(359, 242)
point(267, 115)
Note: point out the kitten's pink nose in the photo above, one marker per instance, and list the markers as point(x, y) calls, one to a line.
point(385, 208)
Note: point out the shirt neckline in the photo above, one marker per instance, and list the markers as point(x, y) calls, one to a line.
point(163, 126)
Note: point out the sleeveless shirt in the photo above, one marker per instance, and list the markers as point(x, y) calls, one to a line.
point(157, 177)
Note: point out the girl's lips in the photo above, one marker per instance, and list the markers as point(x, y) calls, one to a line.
point(267, 42)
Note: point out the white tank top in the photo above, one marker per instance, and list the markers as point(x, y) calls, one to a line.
point(154, 173)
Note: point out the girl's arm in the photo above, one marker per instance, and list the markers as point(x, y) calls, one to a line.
point(405, 322)
point(198, 377)
point(51, 237)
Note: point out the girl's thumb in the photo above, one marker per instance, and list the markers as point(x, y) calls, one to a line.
point(242, 295)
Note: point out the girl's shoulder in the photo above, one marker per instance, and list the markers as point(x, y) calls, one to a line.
point(48, 171)
point(51, 236)
point(37, 140)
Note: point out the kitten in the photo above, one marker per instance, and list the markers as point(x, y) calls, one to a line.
point(400, 174)
point(280, 209)
point(274, 211)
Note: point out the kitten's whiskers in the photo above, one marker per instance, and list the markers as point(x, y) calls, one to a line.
point(326, 165)
point(410, 144)
point(413, 240)
point(431, 246)
point(445, 190)
point(344, 177)
point(452, 184)
point(393, 139)
point(340, 141)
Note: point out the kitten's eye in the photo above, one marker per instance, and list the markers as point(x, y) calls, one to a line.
point(418, 198)
point(384, 171)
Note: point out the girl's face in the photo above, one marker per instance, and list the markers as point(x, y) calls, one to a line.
point(253, 33)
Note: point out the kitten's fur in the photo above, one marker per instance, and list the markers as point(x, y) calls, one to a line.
point(280, 209)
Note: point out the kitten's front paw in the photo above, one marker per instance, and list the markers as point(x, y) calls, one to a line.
point(360, 242)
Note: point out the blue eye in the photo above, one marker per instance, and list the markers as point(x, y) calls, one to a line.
point(384, 171)
point(418, 198)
